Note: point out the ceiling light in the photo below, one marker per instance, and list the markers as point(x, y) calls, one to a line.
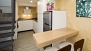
point(31, 1)
point(27, 7)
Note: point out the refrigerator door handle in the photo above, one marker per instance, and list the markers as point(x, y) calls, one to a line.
point(46, 24)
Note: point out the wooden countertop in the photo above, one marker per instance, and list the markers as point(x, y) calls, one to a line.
point(49, 37)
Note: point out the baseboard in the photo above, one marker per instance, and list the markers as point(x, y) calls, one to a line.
point(25, 31)
point(33, 31)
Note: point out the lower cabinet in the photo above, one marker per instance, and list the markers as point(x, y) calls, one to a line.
point(35, 26)
point(20, 28)
point(28, 25)
point(25, 25)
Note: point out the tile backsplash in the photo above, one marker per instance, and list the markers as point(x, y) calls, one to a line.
point(21, 12)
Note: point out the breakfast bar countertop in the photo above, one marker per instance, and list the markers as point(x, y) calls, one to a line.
point(49, 37)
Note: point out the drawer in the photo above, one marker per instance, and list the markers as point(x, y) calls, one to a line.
point(28, 22)
point(27, 28)
point(27, 25)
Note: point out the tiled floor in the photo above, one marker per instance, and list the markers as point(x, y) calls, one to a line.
point(25, 42)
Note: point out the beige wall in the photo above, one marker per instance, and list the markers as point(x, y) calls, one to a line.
point(21, 12)
point(83, 25)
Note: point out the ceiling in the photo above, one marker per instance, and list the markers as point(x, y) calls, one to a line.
point(27, 2)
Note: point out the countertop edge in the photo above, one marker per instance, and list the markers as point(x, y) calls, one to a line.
point(20, 19)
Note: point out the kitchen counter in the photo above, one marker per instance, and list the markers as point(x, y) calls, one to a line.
point(35, 19)
point(20, 19)
point(27, 24)
point(49, 37)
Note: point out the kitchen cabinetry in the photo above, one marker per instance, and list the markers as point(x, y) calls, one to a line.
point(25, 25)
point(35, 26)
point(28, 25)
point(20, 26)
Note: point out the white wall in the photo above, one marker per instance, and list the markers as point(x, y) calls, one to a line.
point(53, 2)
point(41, 8)
point(16, 18)
point(6, 9)
point(5, 6)
point(5, 2)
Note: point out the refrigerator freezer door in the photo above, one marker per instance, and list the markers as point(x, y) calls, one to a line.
point(47, 27)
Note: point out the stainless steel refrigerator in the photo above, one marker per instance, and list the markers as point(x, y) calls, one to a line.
point(47, 21)
point(53, 20)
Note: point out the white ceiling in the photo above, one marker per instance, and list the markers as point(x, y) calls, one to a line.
point(27, 2)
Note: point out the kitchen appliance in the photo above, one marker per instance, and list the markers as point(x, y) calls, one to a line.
point(47, 21)
point(54, 20)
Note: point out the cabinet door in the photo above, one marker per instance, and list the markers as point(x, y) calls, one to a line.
point(20, 26)
point(35, 26)
point(28, 25)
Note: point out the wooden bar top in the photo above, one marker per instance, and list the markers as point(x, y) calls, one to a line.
point(49, 37)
